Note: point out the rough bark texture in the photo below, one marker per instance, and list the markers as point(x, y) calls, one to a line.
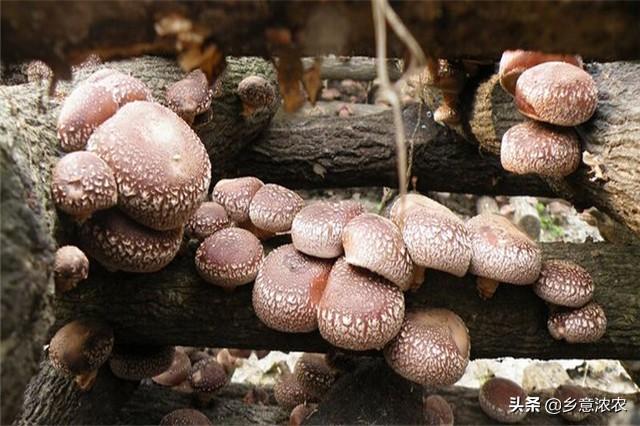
point(599, 30)
point(353, 68)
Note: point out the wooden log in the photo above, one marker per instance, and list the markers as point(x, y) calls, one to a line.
point(357, 68)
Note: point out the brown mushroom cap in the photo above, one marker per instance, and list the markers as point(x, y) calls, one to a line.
point(564, 283)
point(532, 147)
point(314, 375)
point(358, 309)
point(300, 413)
point(557, 93)
point(177, 372)
point(185, 417)
point(575, 393)
point(135, 362)
point(37, 71)
point(256, 93)
point(437, 411)
point(119, 243)
point(403, 205)
point(81, 183)
point(375, 243)
point(288, 392)
point(273, 208)
point(70, 266)
point(583, 325)
point(288, 288)
point(235, 196)
point(229, 258)
point(495, 396)
point(317, 228)
point(207, 220)
point(432, 348)
point(208, 376)
point(161, 167)
point(515, 62)
point(190, 96)
point(123, 87)
point(502, 252)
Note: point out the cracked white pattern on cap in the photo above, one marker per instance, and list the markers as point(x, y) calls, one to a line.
point(532, 147)
point(190, 96)
point(375, 243)
point(314, 374)
point(359, 310)
point(208, 219)
point(317, 228)
point(235, 196)
point(140, 362)
point(557, 93)
point(501, 252)
point(208, 376)
point(402, 206)
point(229, 258)
point(273, 208)
point(119, 243)
point(81, 346)
point(564, 283)
point(288, 288)
point(432, 348)
point(70, 266)
point(161, 167)
point(583, 325)
point(495, 400)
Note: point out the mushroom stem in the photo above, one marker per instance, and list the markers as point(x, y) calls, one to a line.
point(418, 277)
point(86, 381)
point(486, 287)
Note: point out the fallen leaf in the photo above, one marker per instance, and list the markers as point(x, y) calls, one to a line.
point(312, 81)
point(290, 73)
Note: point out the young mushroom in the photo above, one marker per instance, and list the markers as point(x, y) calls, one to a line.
point(273, 208)
point(229, 258)
point(314, 375)
point(81, 184)
point(123, 87)
point(437, 411)
point(501, 253)
point(177, 372)
point(70, 266)
point(432, 348)
point(564, 283)
point(317, 228)
point(135, 362)
point(496, 396)
point(185, 417)
point(300, 413)
point(288, 288)
point(288, 392)
point(256, 94)
point(358, 309)
point(375, 243)
point(582, 325)
point(190, 96)
point(80, 348)
point(207, 220)
point(574, 393)
point(207, 377)
point(533, 147)
point(235, 196)
point(557, 93)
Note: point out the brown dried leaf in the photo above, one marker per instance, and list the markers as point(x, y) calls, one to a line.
point(210, 60)
point(290, 74)
point(312, 81)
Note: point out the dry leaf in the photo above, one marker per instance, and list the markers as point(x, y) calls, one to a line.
point(290, 73)
point(312, 81)
point(210, 60)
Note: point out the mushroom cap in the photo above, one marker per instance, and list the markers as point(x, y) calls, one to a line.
point(136, 362)
point(288, 392)
point(235, 196)
point(501, 252)
point(494, 398)
point(81, 346)
point(403, 205)
point(288, 288)
point(81, 183)
point(119, 243)
point(317, 228)
point(229, 258)
point(70, 266)
point(190, 96)
point(207, 220)
point(208, 376)
point(515, 62)
point(576, 393)
point(161, 167)
point(314, 375)
point(437, 411)
point(564, 283)
point(582, 325)
point(375, 243)
point(255, 92)
point(177, 372)
point(438, 240)
point(185, 417)
point(123, 87)
point(359, 310)
point(300, 413)
point(37, 71)
point(532, 147)
point(432, 348)
point(273, 208)
point(557, 93)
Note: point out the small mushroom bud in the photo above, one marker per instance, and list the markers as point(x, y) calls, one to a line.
point(583, 325)
point(564, 283)
point(432, 348)
point(437, 411)
point(256, 94)
point(70, 266)
point(134, 362)
point(358, 309)
point(81, 184)
point(207, 220)
point(300, 413)
point(495, 398)
point(288, 392)
point(532, 147)
point(575, 393)
point(314, 375)
point(287, 290)
point(229, 258)
point(80, 348)
point(206, 378)
point(557, 93)
point(185, 417)
point(190, 96)
point(38, 71)
point(375, 243)
point(177, 372)
point(273, 208)
point(317, 228)
point(235, 196)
